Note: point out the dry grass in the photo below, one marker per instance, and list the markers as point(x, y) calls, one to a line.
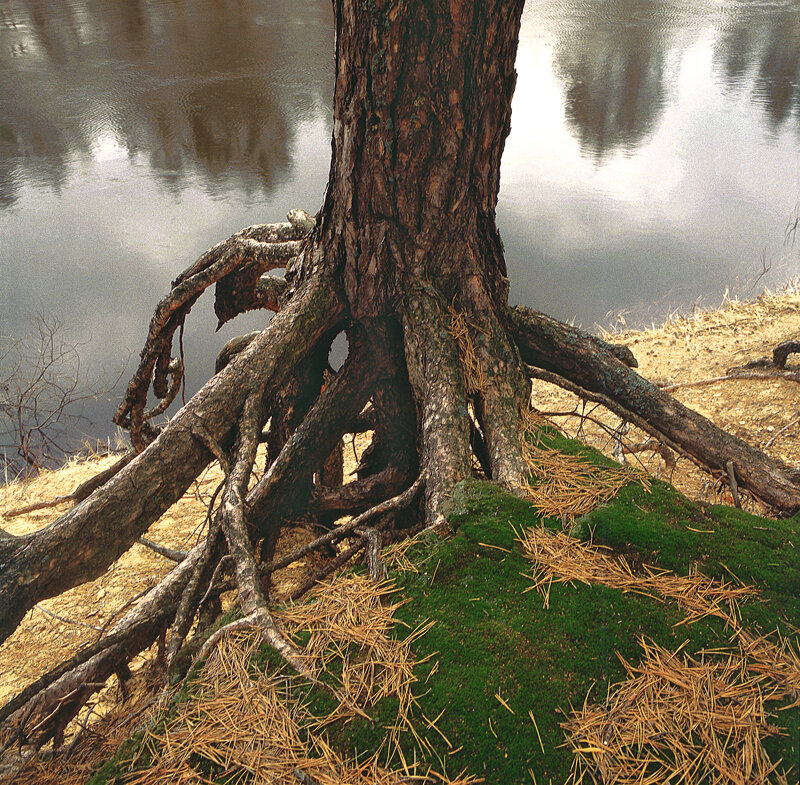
point(42, 640)
point(474, 379)
point(730, 313)
point(396, 554)
point(251, 728)
point(567, 486)
point(562, 558)
point(350, 621)
point(675, 718)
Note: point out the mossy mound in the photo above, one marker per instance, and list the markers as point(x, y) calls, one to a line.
point(494, 640)
point(504, 671)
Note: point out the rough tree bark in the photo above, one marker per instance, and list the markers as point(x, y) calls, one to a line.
point(404, 257)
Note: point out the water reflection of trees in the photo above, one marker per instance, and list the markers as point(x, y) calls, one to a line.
point(199, 89)
point(611, 61)
point(759, 48)
point(612, 57)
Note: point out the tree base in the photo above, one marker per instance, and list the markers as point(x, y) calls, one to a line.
point(443, 382)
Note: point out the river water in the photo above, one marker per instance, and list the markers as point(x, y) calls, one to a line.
point(652, 164)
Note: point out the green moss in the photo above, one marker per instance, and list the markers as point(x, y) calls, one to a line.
point(492, 638)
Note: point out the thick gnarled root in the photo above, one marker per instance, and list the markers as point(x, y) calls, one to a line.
point(437, 381)
point(603, 371)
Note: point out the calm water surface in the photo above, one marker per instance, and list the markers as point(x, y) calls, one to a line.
point(653, 160)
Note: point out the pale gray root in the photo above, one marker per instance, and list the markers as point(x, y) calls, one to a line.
point(375, 565)
point(505, 392)
point(52, 706)
point(437, 381)
point(182, 622)
point(231, 511)
point(173, 554)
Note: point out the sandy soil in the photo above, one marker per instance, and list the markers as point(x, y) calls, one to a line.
point(766, 413)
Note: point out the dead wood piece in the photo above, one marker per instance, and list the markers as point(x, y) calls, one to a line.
point(651, 445)
point(331, 567)
point(400, 501)
point(734, 486)
point(67, 620)
point(781, 352)
point(773, 367)
point(173, 554)
point(765, 372)
point(355, 496)
point(782, 431)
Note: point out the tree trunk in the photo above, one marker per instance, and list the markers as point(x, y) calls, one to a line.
point(422, 109)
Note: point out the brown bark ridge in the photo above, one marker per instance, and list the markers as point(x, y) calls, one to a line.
point(406, 260)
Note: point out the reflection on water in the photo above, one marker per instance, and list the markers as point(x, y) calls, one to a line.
point(653, 156)
point(760, 52)
point(616, 59)
point(652, 160)
point(611, 60)
point(195, 89)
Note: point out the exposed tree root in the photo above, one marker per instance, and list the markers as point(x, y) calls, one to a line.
point(168, 553)
point(400, 501)
point(591, 365)
point(504, 392)
point(42, 710)
point(238, 261)
point(443, 387)
point(83, 542)
point(437, 380)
